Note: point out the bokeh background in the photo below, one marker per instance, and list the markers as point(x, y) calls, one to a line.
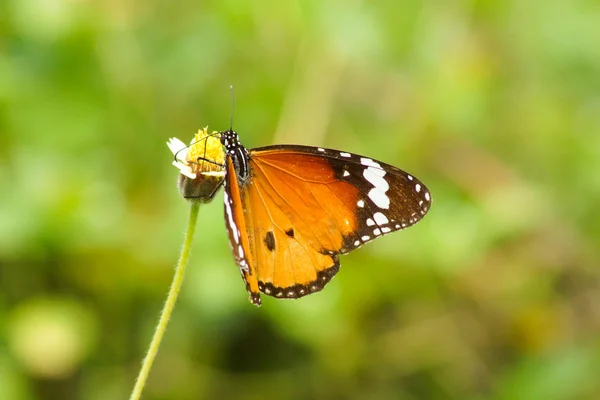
point(495, 105)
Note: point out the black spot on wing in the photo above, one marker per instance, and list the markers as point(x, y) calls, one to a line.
point(290, 232)
point(270, 241)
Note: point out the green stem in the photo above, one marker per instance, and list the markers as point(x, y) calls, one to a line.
point(136, 394)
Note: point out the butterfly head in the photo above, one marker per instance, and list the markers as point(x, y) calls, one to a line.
point(230, 140)
point(201, 165)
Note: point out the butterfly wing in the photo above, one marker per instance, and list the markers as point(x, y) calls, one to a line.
point(302, 206)
point(235, 200)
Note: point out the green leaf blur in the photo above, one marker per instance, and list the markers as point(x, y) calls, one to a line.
point(495, 105)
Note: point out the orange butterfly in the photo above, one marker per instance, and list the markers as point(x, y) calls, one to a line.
point(291, 210)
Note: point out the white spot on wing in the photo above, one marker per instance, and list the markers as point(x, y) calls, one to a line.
point(360, 203)
point(345, 154)
point(369, 163)
point(321, 149)
point(385, 229)
point(376, 177)
point(380, 218)
point(376, 232)
point(427, 196)
point(365, 238)
point(418, 188)
point(379, 198)
point(370, 222)
point(346, 173)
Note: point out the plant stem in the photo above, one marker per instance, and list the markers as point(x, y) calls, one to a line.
point(136, 394)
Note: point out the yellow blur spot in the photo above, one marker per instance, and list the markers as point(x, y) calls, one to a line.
point(51, 337)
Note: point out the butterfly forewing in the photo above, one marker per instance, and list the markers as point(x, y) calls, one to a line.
point(363, 197)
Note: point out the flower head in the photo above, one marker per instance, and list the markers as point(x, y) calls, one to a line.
point(201, 165)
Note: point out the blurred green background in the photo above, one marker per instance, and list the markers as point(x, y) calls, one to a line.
point(495, 105)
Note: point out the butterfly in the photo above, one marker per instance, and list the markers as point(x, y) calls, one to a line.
point(291, 210)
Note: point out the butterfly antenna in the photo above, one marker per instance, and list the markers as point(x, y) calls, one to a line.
point(232, 103)
point(205, 144)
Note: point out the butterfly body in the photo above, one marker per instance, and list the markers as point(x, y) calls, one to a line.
point(291, 210)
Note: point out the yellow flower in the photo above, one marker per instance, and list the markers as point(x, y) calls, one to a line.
point(201, 165)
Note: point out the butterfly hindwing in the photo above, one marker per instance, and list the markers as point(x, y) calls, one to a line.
point(237, 228)
point(286, 265)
